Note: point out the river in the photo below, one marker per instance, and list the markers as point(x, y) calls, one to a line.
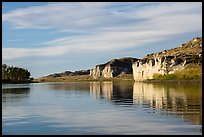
point(101, 108)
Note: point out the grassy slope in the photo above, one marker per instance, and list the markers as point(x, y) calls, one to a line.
point(81, 78)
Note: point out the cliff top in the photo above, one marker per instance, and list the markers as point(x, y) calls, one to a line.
point(120, 61)
point(193, 47)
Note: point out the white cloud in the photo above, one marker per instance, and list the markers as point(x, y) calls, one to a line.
point(107, 26)
point(94, 16)
point(14, 53)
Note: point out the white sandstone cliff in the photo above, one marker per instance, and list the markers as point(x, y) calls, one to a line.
point(168, 61)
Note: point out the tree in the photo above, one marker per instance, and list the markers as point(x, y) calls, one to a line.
point(14, 73)
point(4, 71)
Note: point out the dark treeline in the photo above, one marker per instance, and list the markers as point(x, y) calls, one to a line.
point(11, 73)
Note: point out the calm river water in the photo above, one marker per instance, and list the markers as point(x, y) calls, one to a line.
point(101, 108)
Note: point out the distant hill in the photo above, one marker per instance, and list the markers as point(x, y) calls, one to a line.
point(70, 73)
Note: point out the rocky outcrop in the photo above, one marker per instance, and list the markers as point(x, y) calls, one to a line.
point(113, 68)
point(97, 71)
point(168, 61)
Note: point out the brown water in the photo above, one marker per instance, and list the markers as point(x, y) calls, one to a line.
point(101, 108)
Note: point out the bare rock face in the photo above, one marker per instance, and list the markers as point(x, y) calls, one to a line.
point(113, 68)
point(168, 61)
point(146, 68)
point(97, 71)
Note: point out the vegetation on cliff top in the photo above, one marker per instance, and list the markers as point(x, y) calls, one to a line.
point(193, 47)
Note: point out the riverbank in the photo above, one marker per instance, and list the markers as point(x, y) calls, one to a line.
point(83, 78)
point(172, 81)
point(116, 79)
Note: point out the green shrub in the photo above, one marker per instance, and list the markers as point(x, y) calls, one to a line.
point(157, 76)
point(165, 76)
point(169, 76)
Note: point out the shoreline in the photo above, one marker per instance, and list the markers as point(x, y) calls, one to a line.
point(88, 80)
point(172, 81)
point(118, 80)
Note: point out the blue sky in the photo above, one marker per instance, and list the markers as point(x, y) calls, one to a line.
point(55, 37)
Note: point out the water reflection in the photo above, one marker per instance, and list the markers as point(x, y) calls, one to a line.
point(183, 100)
point(11, 95)
point(69, 86)
point(117, 92)
point(15, 94)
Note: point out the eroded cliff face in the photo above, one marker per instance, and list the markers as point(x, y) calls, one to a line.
point(96, 72)
point(168, 61)
point(113, 68)
point(146, 68)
